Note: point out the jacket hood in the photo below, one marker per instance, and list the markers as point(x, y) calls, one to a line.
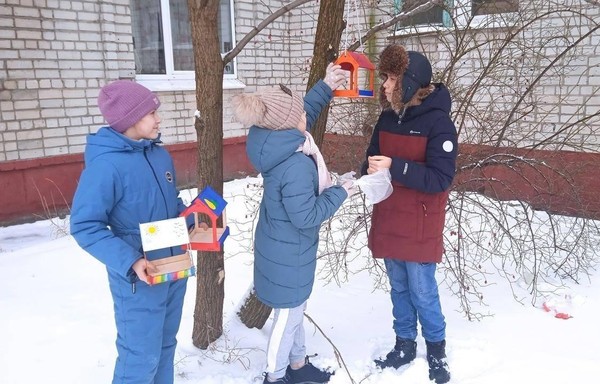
point(439, 99)
point(107, 140)
point(266, 148)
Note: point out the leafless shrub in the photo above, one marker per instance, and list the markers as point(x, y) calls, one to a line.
point(54, 212)
point(516, 82)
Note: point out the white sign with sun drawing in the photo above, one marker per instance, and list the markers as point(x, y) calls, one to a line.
point(164, 234)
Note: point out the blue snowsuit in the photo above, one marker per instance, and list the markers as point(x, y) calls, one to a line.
point(291, 211)
point(125, 183)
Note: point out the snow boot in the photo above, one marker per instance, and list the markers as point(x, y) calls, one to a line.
point(436, 357)
point(308, 374)
point(403, 353)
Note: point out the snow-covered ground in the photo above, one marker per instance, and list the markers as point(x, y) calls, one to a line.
point(56, 322)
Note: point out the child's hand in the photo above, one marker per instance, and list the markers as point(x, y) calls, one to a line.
point(345, 177)
point(142, 267)
point(377, 163)
point(350, 187)
point(334, 76)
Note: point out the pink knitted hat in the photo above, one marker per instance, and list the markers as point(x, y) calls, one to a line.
point(123, 103)
point(273, 108)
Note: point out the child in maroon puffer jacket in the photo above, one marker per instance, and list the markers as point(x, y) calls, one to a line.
point(416, 140)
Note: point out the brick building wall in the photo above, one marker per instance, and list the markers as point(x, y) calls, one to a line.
point(539, 89)
point(55, 55)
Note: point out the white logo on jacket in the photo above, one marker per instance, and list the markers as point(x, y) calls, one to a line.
point(448, 146)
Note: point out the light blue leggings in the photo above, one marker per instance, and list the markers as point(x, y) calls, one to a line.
point(286, 342)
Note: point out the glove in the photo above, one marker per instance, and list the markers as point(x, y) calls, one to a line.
point(334, 76)
point(350, 187)
point(348, 176)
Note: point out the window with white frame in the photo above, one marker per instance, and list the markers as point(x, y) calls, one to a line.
point(437, 15)
point(162, 38)
point(492, 7)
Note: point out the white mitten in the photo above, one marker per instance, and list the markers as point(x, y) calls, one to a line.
point(350, 187)
point(334, 76)
point(345, 177)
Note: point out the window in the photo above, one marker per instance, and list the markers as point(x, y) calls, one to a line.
point(162, 38)
point(492, 7)
point(437, 15)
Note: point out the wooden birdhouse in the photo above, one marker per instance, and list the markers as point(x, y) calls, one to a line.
point(211, 205)
point(166, 234)
point(361, 75)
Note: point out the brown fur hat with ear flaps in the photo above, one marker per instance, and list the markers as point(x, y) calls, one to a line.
point(414, 77)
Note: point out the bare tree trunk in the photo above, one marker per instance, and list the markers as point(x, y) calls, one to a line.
point(330, 26)
point(254, 313)
point(210, 293)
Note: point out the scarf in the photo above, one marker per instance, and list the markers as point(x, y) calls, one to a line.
point(310, 148)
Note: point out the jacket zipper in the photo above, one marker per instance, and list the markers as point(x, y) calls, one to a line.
point(422, 221)
point(401, 115)
point(159, 186)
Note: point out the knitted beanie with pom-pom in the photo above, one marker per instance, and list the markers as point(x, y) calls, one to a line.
point(273, 108)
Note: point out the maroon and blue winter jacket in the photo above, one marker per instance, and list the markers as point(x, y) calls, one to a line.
point(422, 144)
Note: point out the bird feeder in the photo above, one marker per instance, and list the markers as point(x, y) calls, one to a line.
point(211, 205)
point(166, 234)
point(361, 75)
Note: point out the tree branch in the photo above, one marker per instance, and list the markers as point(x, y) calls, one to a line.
point(336, 351)
point(255, 31)
point(593, 2)
point(399, 17)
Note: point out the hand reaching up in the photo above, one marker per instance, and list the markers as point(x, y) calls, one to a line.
point(334, 76)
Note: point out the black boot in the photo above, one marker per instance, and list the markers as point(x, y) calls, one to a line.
point(308, 374)
point(436, 357)
point(403, 353)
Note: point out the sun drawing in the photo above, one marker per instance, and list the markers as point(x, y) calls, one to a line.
point(152, 230)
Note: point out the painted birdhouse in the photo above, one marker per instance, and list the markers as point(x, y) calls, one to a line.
point(166, 234)
point(361, 75)
point(211, 205)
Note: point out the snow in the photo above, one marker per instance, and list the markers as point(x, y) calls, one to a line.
point(57, 322)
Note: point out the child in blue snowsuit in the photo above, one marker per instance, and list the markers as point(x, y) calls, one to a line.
point(130, 179)
point(298, 198)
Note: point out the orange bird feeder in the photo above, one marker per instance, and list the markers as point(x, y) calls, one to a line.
point(361, 72)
